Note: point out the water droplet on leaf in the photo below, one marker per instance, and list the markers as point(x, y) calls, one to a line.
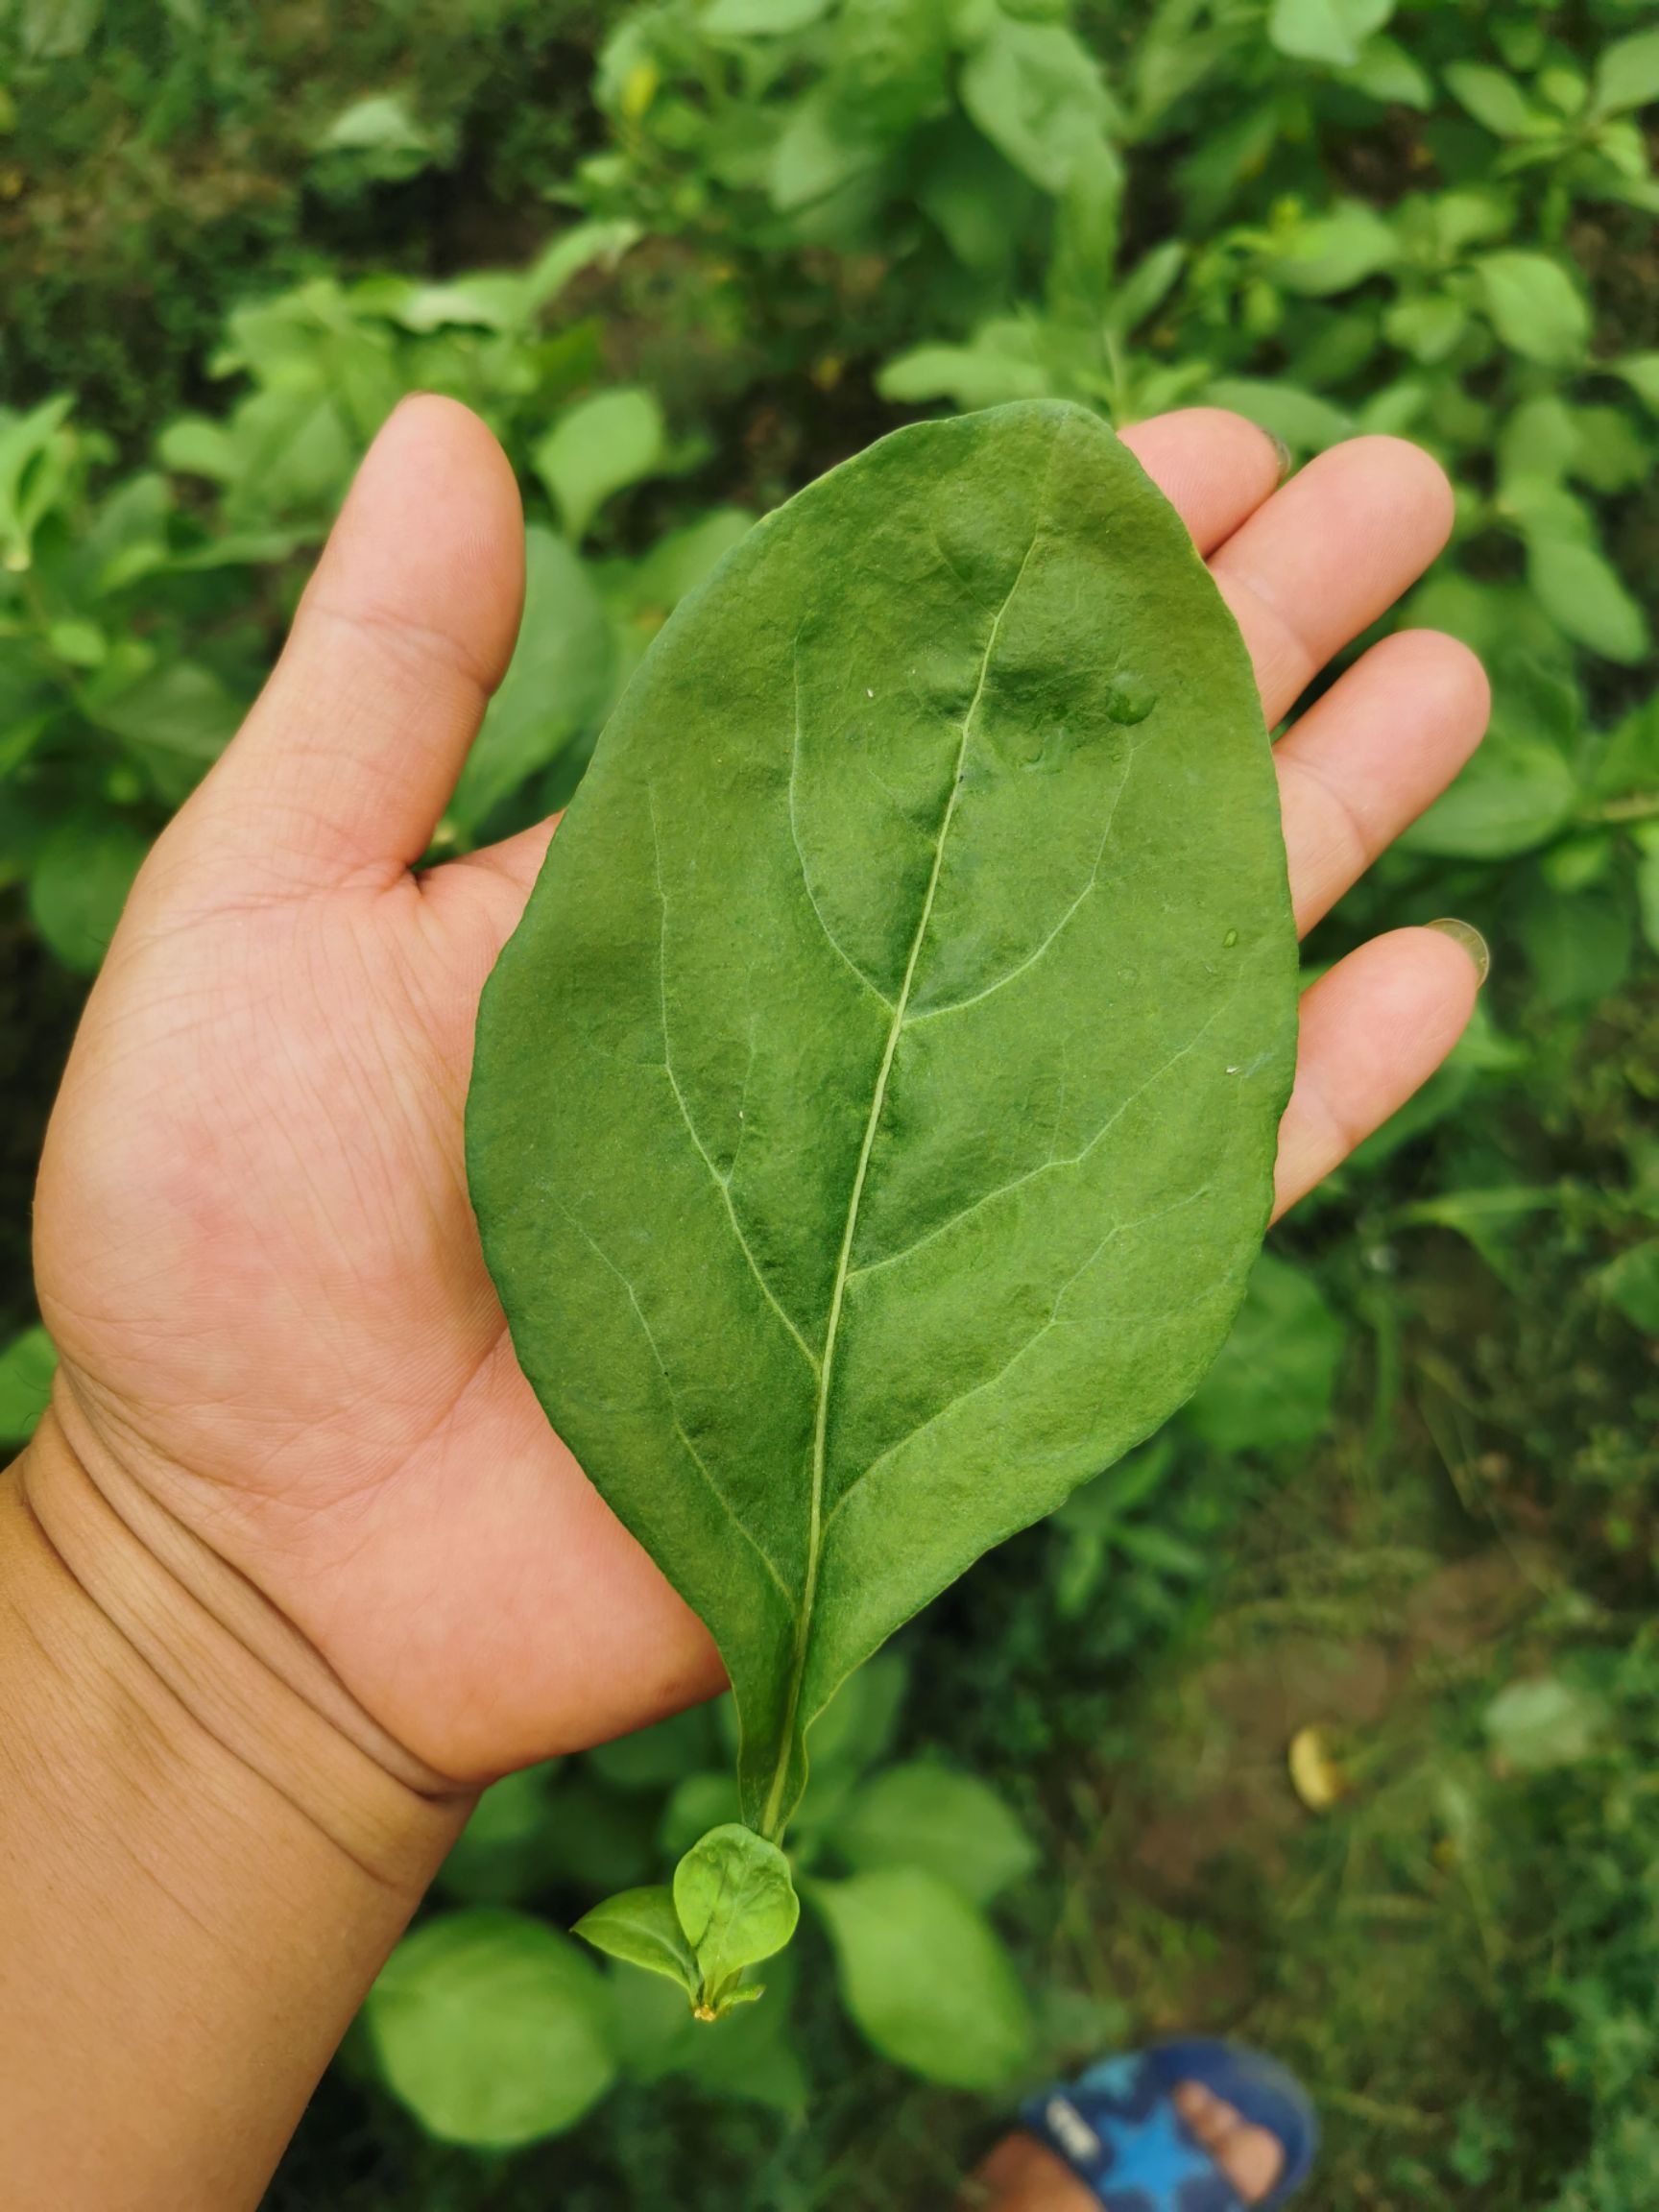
point(1130, 698)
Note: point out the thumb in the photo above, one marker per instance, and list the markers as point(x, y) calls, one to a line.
point(349, 754)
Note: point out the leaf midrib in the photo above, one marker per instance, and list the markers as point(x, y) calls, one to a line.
point(771, 1821)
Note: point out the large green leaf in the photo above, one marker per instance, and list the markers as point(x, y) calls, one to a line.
point(1273, 1386)
point(925, 1978)
point(953, 1824)
point(492, 2027)
point(508, 1848)
point(82, 874)
point(1517, 793)
point(874, 1113)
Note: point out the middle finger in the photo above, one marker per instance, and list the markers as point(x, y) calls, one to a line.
point(1322, 559)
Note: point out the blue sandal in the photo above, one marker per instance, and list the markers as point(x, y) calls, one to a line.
point(1118, 2129)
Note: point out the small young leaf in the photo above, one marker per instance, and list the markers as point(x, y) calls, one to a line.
point(1336, 251)
point(1385, 71)
point(820, 149)
point(1534, 1726)
point(736, 1904)
point(54, 30)
point(1037, 93)
point(1585, 593)
point(492, 2027)
point(600, 446)
point(1139, 294)
point(1627, 74)
point(381, 122)
point(1612, 454)
point(1628, 760)
point(1514, 795)
point(1331, 31)
point(1535, 307)
point(1493, 98)
point(557, 681)
point(953, 1826)
point(1305, 421)
point(178, 720)
point(925, 1977)
point(1428, 328)
point(643, 1926)
point(975, 198)
point(758, 18)
point(1641, 372)
point(983, 374)
point(1647, 884)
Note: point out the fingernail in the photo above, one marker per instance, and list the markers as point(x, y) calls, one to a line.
point(1466, 935)
point(1286, 459)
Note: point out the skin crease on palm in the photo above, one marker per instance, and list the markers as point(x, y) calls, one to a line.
point(254, 1242)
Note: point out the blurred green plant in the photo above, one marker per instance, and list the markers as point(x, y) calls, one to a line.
point(897, 1862)
point(747, 237)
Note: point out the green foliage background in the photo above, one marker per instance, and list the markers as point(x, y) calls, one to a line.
point(682, 258)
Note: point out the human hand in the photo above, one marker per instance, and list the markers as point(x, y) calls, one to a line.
point(255, 1247)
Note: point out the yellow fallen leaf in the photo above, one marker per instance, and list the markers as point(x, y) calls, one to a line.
point(1315, 1776)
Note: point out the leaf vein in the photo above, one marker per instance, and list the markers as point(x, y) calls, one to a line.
point(830, 937)
point(989, 1382)
point(1054, 1161)
point(722, 1183)
point(691, 1452)
point(990, 990)
point(815, 1527)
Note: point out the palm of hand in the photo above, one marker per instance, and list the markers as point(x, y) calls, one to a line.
point(259, 1260)
point(255, 1248)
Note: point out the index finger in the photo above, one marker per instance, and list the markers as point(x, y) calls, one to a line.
point(1213, 468)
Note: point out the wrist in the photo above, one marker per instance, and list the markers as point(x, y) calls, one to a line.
point(206, 1853)
point(130, 1604)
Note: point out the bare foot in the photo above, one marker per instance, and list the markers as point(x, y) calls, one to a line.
point(1024, 2175)
point(1251, 2157)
